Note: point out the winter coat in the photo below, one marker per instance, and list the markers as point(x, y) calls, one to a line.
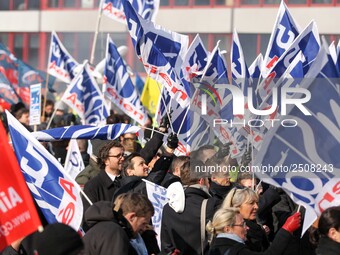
point(90, 171)
point(256, 237)
point(182, 231)
point(222, 246)
point(327, 247)
point(109, 232)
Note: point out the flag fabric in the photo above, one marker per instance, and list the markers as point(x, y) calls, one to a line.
point(148, 9)
point(74, 163)
point(85, 98)
point(308, 42)
point(191, 129)
point(150, 95)
point(107, 132)
point(161, 52)
point(284, 32)
point(195, 59)
point(119, 87)
point(158, 197)
point(172, 45)
point(139, 82)
point(60, 63)
point(9, 66)
point(27, 76)
point(239, 69)
point(159, 69)
point(55, 192)
point(255, 68)
point(19, 217)
point(309, 153)
point(7, 92)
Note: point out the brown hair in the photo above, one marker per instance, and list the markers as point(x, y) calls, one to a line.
point(134, 202)
point(105, 150)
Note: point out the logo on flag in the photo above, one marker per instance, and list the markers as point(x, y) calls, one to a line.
point(55, 192)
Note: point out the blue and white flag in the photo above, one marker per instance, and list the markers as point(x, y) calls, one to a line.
point(172, 45)
point(85, 98)
point(55, 192)
point(107, 132)
point(192, 131)
point(158, 197)
point(60, 63)
point(255, 68)
point(308, 42)
point(159, 69)
point(74, 163)
point(195, 59)
point(304, 160)
point(148, 9)
point(239, 69)
point(119, 87)
point(284, 33)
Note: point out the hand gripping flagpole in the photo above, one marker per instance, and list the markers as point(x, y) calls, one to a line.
point(96, 32)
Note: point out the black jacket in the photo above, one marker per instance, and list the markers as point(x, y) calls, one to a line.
point(328, 247)
point(220, 246)
point(256, 237)
point(100, 188)
point(182, 231)
point(109, 232)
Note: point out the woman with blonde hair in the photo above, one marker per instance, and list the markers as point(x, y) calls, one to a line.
point(229, 233)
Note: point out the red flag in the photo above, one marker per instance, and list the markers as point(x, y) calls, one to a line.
point(18, 216)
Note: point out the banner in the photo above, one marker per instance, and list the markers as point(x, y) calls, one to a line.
point(35, 104)
point(19, 217)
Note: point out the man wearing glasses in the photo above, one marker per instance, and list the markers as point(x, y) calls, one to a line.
point(103, 186)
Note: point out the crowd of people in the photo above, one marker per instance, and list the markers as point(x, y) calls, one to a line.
point(212, 213)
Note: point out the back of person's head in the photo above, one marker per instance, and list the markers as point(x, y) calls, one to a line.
point(20, 112)
point(58, 239)
point(177, 162)
point(16, 107)
point(203, 153)
point(222, 217)
point(134, 202)
point(82, 144)
point(113, 119)
point(104, 151)
point(236, 197)
point(217, 167)
point(328, 225)
point(191, 173)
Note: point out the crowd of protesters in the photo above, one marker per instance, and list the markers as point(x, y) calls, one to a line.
point(212, 214)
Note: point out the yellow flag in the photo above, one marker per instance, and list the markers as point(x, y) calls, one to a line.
point(150, 95)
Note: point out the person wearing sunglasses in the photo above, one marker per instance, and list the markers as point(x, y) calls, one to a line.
point(229, 230)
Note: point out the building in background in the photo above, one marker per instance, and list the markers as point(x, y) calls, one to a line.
point(25, 25)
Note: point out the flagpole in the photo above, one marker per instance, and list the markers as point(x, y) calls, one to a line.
point(167, 112)
point(96, 32)
point(46, 83)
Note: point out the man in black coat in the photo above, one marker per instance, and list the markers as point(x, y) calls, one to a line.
point(182, 230)
point(103, 186)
